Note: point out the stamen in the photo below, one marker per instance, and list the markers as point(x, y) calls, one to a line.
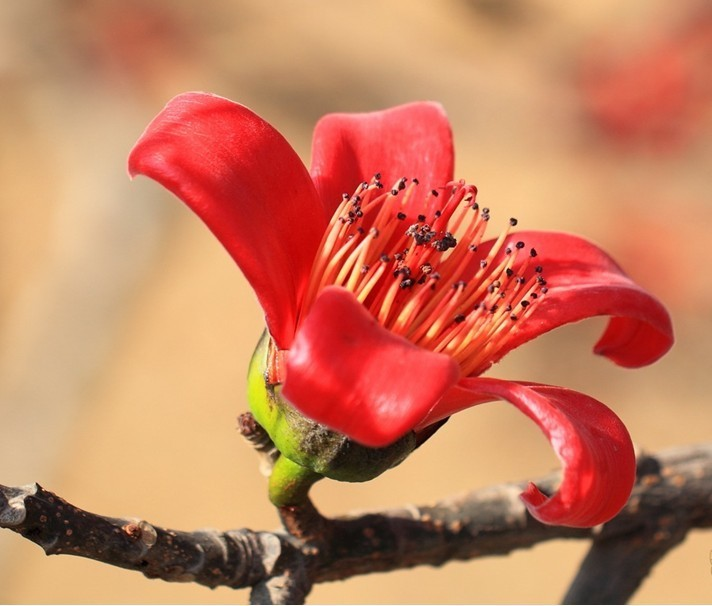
point(413, 259)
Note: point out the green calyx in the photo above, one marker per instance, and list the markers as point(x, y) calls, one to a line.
point(309, 450)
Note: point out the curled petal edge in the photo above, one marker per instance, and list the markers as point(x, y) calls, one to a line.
point(583, 282)
point(591, 442)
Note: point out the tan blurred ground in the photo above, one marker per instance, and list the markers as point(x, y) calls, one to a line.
point(125, 330)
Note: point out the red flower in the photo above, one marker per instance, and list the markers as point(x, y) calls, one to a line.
point(385, 304)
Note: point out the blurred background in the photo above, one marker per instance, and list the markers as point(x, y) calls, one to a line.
point(125, 329)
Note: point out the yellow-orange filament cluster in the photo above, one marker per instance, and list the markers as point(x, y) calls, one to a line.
point(413, 259)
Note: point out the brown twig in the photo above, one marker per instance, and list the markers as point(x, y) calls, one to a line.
point(672, 496)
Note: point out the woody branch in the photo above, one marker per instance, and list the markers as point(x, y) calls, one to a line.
point(671, 496)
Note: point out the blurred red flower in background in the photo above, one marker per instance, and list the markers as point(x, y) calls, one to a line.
point(657, 95)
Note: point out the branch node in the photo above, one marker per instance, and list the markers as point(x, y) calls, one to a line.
point(13, 510)
point(259, 439)
point(140, 531)
point(305, 523)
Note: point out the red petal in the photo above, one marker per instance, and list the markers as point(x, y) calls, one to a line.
point(344, 370)
point(583, 281)
point(250, 188)
point(589, 439)
point(412, 140)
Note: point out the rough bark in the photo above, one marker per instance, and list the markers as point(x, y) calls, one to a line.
point(673, 494)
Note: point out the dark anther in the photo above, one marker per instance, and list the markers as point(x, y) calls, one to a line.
point(421, 218)
point(486, 210)
point(524, 303)
point(365, 268)
point(532, 296)
point(426, 268)
point(402, 271)
point(344, 196)
point(400, 216)
point(420, 233)
point(544, 290)
point(538, 269)
point(401, 183)
point(394, 192)
point(438, 213)
point(459, 318)
point(483, 264)
point(507, 251)
point(360, 229)
point(512, 221)
point(472, 247)
point(509, 271)
point(446, 242)
point(385, 258)
point(532, 252)
point(377, 176)
point(407, 283)
point(459, 284)
point(374, 232)
point(508, 308)
point(475, 206)
point(541, 280)
point(494, 308)
point(416, 181)
point(520, 280)
point(423, 237)
point(520, 244)
point(434, 193)
point(513, 317)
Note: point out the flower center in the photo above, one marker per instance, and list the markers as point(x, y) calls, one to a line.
point(417, 263)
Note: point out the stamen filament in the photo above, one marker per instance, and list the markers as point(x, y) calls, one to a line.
point(412, 260)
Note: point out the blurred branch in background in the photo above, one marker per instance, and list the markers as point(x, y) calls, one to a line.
point(65, 309)
point(672, 497)
point(73, 89)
